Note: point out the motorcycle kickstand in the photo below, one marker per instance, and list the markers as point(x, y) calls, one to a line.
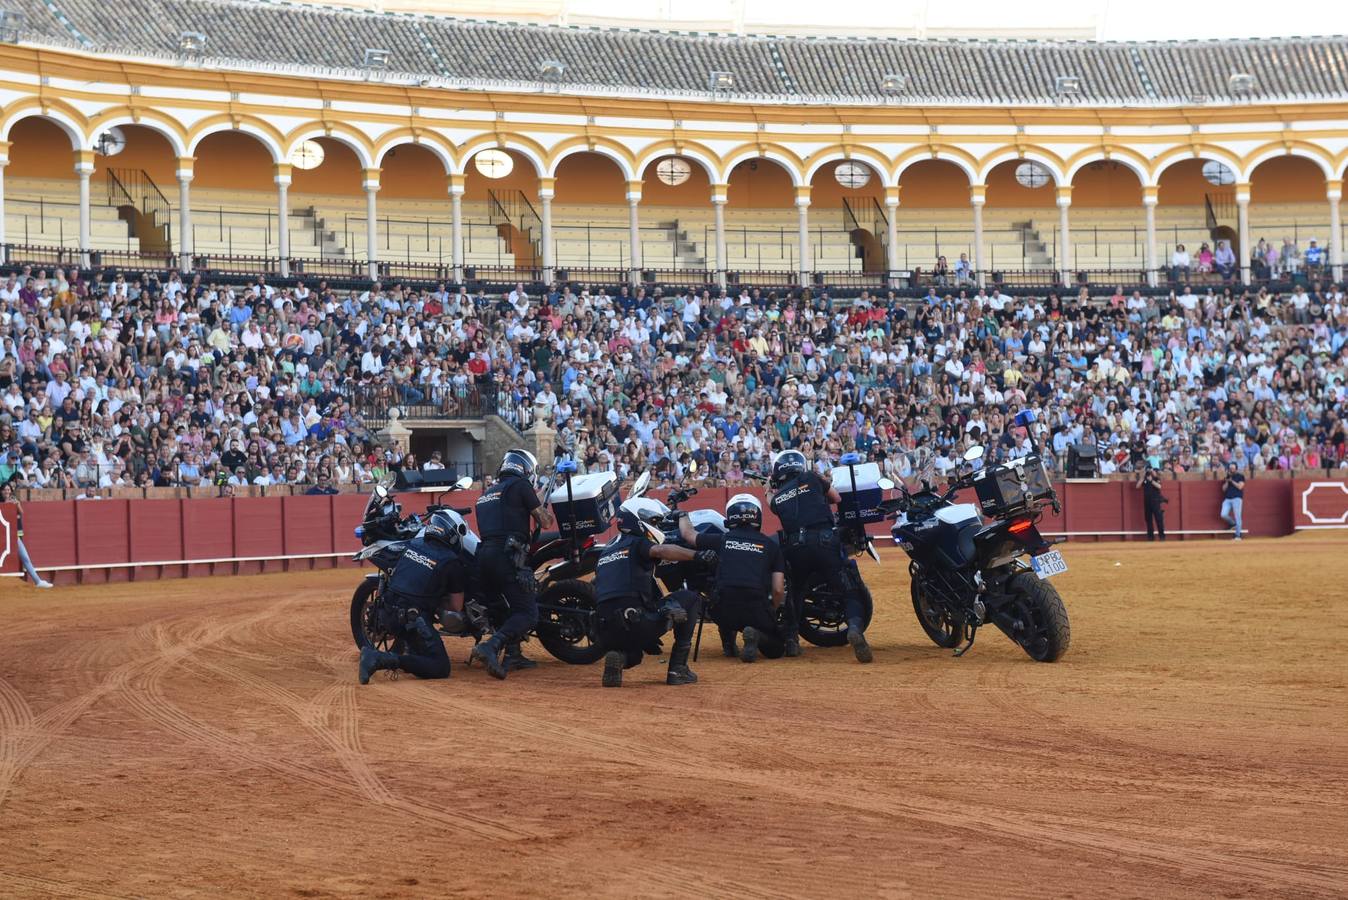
point(971, 631)
point(697, 643)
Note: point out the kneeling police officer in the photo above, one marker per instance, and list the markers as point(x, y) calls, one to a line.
point(503, 518)
point(803, 501)
point(749, 571)
point(429, 575)
point(631, 617)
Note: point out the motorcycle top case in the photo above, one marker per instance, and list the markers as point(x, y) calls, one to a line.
point(999, 489)
point(592, 504)
point(861, 495)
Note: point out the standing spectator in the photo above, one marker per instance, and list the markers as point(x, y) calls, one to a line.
point(8, 495)
point(1233, 498)
point(1289, 260)
point(1153, 502)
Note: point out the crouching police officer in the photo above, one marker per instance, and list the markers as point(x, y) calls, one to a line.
point(631, 617)
point(803, 502)
point(428, 574)
point(749, 570)
point(503, 517)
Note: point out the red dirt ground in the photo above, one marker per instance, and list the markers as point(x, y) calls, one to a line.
point(208, 738)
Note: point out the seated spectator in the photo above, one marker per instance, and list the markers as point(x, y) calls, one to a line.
point(1203, 265)
point(1313, 259)
point(1225, 260)
point(1180, 264)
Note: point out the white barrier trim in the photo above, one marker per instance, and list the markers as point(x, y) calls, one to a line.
point(1316, 521)
point(189, 562)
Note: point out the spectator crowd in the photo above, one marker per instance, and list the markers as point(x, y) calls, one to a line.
point(122, 381)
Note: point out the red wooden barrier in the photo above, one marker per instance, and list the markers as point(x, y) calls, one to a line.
point(115, 540)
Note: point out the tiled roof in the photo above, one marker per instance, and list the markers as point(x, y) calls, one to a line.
point(811, 69)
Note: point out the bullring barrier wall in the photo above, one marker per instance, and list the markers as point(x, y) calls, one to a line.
point(97, 541)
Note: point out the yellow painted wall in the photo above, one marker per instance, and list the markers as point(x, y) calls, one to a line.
point(232, 160)
point(522, 178)
point(694, 192)
point(1288, 179)
point(933, 184)
point(590, 178)
point(38, 148)
point(760, 184)
point(413, 172)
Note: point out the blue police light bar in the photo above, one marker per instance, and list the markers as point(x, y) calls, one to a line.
point(360, 531)
point(568, 467)
point(1025, 418)
point(851, 459)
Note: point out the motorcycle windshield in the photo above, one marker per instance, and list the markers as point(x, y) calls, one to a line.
point(958, 514)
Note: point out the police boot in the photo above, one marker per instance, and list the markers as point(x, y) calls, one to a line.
point(679, 673)
point(489, 654)
point(371, 661)
point(614, 661)
point(452, 622)
point(728, 646)
point(792, 643)
point(750, 651)
point(857, 638)
point(516, 660)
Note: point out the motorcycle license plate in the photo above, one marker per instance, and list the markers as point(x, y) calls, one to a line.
point(1046, 565)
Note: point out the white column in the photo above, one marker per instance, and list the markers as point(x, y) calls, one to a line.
point(545, 195)
point(634, 230)
point(84, 167)
point(456, 187)
point(892, 236)
point(184, 174)
point(1149, 198)
point(718, 201)
point(1333, 193)
point(282, 179)
point(4, 239)
point(806, 266)
point(371, 185)
point(1064, 235)
point(977, 197)
point(1243, 229)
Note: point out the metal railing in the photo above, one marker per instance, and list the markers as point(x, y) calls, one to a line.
point(135, 187)
point(417, 401)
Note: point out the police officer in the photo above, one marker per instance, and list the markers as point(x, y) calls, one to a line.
point(427, 576)
point(803, 502)
point(1153, 502)
point(503, 516)
point(631, 616)
point(749, 571)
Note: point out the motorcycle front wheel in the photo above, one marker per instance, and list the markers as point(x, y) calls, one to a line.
point(567, 629)
point(1047, 633)
point(365, 618)
point(943, 627)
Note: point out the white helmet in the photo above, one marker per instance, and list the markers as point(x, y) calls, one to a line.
point(744, 511)
point(641, 516)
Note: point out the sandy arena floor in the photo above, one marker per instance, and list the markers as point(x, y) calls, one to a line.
point(208, 738)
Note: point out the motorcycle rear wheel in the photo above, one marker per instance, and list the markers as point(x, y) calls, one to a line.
point(833, 633)
point(1049, 633)
point(945, 629)
point(568, 637)
point(365, 609)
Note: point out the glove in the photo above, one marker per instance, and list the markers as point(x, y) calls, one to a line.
point(680, 514)
point(706, 557)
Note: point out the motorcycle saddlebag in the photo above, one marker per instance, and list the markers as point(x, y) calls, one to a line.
point(591, 506)
point(999, 492)
point(859, 486)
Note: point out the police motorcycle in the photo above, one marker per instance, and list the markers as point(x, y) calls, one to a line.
point(384, 533)
point(967, 560)
point(694, 575)
point(583, 506)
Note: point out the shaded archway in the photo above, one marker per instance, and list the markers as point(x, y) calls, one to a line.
point(236, 207)
point(414, 206)
point(762, 222)
point(1109, 219)
point(503, 210)
point(1021, 219)
point(135, 172)
point(934, 217)
point(848, 221)
point(1289, 210)
point(41, 186)
point(591, 215)
point(1196, 207)
point(677, 214)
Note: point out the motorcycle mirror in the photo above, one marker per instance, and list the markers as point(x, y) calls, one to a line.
point(639, 486)
point(381, 491)
point(464, 483)
point(886, 484)
point(974, 453)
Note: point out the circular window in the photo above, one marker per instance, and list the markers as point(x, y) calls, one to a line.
point(852, 175)
point(1032, 175)
point(308, 155)
point(673, 171)
point(1218, 173)
point(111, 142)
point(494, 163)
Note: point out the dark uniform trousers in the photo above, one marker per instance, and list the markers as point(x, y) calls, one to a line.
point(632, 635)
point(422, 652)
point(816, 556)
point(739, 608)
point(503, 569)
point(1154, 512)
